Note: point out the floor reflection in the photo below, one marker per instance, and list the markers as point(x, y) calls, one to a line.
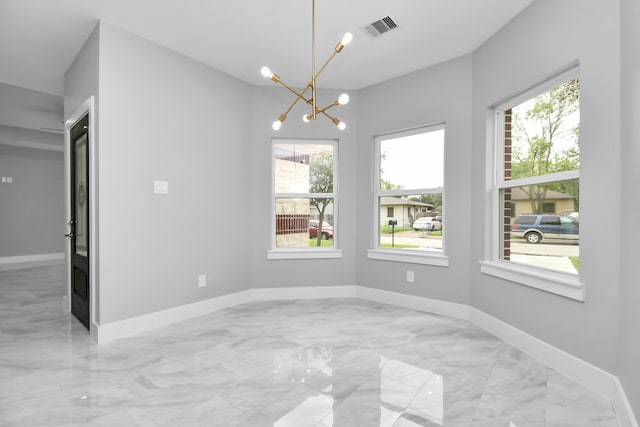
point(341, 363)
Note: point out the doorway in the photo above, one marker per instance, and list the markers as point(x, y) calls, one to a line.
point(79, 220)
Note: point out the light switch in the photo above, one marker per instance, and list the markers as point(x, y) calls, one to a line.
point(161, 187)
point(9, 180)
point(4, 179)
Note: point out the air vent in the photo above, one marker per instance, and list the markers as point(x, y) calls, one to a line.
point(380, 27)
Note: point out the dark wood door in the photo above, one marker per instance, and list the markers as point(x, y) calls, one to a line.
point(79, 221)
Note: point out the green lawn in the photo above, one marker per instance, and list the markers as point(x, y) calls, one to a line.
point(397, 246)
point(314, 242)
point(385, 229)
point(576, 262)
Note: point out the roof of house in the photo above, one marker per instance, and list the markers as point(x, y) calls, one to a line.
point(387, 200)
point(518, 194)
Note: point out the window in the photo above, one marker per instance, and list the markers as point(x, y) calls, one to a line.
point(538, 176)
point(304, 197)
point(549, 207)
point(409, 177)
point(390, 212)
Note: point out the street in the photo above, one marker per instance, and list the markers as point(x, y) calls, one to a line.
point(555, 248)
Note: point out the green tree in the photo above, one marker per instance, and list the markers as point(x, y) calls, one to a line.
point(536, 133)
point(321, 181)
point(388, 185)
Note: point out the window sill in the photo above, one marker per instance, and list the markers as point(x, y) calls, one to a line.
point(409, 256)
point(566, 285)
point(304, 254)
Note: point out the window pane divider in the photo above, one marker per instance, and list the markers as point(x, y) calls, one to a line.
point(541, 179)
point(304, 195)
point(412, 192)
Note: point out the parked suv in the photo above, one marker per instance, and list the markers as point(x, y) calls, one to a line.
point(535, 228)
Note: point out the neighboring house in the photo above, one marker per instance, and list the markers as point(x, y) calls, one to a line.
point(554, 203)
point(402, 210)
point(292, 214)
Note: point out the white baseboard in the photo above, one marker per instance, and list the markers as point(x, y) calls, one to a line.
point(58, 256)
point(148, 322)
point(588, 375)
point(626, 418)
point(445, 308)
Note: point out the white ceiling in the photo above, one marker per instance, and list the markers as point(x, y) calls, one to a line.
point(40, 38)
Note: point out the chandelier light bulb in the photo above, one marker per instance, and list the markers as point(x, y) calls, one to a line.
point(302, 95)
point(347, 38)
point(266, 72)
point(343, 99)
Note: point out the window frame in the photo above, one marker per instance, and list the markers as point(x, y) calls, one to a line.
point(311, 252)
point(405, 255)
point(556, 282)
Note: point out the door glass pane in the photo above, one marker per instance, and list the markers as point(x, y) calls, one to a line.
point(81, 196)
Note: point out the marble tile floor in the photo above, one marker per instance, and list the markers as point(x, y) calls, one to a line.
point(320, 363)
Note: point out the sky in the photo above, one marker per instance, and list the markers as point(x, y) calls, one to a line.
point(415, 161)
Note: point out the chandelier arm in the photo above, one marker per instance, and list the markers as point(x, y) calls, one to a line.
point(333, 119)
point(295, 101)
point(299, 95)
point(333, 55)
point(322, 110)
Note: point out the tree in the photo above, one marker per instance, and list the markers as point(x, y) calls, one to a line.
point(536, 133)
point(321, 181)
point(388, 185)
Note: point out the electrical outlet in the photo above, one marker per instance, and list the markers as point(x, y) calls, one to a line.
point(202, 280)
point(410, 276)
point(9, 180)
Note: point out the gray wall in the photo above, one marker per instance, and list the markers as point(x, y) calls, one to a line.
point(81, 79)
point(81, 82)
point(517, 58)
point(32, 206)
point(166, 117)
point(268, 103)
point(629, 214)
point(441, 94)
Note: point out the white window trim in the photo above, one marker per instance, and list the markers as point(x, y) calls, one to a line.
point(303, 253)
point(411, 256)
point(556, 282)
point(321, 252)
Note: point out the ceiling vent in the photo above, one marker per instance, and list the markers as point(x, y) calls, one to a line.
point(380, 27)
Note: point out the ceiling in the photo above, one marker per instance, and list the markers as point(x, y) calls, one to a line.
point(40, 38)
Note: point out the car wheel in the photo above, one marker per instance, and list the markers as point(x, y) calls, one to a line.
point(533, 237)
point(325, 236)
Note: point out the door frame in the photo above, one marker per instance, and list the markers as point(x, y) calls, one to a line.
point(87, 107)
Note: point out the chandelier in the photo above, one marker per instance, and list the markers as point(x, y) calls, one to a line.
point(343, 99)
